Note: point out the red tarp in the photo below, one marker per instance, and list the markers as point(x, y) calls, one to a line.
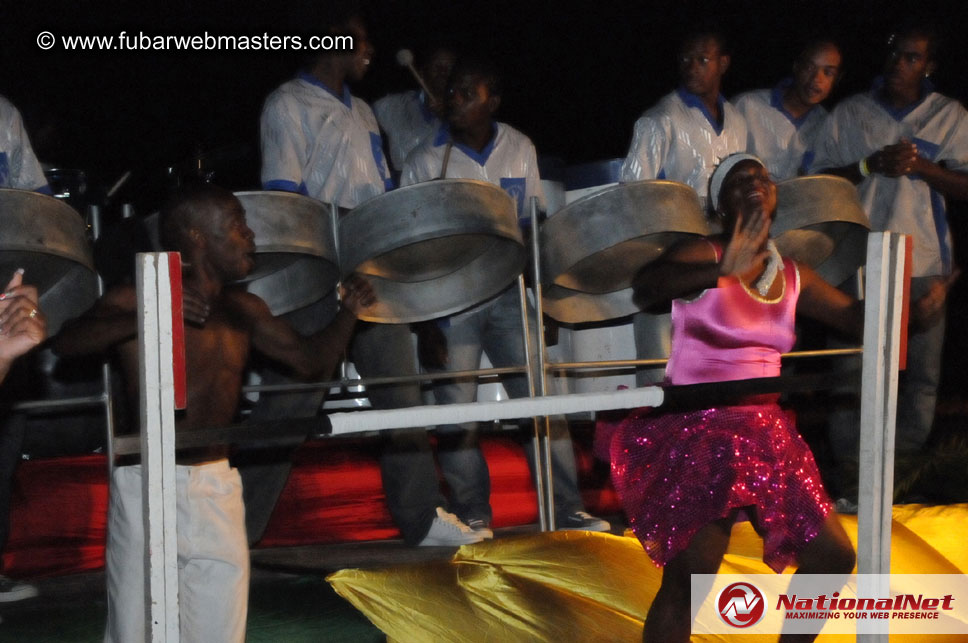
point(334, 494)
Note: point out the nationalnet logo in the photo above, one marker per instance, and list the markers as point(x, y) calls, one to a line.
point(901, 606)
point(815, 603)
point(741, 605)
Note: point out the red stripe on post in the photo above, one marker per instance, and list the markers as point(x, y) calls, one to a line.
point(177, 330)
point(906, 304)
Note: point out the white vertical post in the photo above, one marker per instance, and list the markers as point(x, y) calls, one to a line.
point(157, 447)
point(878, 410)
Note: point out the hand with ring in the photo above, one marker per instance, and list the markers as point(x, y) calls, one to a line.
point(22, 325)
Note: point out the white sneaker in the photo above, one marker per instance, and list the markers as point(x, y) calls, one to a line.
point(480, 528)
point(12, 590)
point(845, 506)
point(447, 530)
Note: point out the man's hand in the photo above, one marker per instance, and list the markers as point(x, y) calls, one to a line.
point(926, 311)
point(22, 325)
point(195, 307)
point(356, 294)
point(895, 160)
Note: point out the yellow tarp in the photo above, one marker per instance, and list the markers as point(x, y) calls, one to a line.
point(577, 586)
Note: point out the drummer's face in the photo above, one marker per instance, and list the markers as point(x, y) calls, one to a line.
point(815, 73)
point(437, 71)
point(748, 188)
point(233, 246)
point(701, 66)
point(908, 64)
point(359, 62)
point(470, 102)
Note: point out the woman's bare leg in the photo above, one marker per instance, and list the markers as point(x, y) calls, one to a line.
point(670, 619)
point(829, 553)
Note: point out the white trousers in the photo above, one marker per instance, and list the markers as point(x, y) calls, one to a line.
point(213, 555)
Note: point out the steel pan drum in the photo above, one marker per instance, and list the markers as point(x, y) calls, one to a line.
point(820, 222)
point(295, 253)
point(593, 247)
point(432, 249)
point(48, 239)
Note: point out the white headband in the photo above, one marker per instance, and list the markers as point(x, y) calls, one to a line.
point(722, 171)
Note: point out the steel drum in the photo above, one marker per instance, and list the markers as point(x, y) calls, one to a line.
point(295, 256)
point(432, 249)
point(820, 222)
point(593, 247)
point(48, 239)
point(295, 253)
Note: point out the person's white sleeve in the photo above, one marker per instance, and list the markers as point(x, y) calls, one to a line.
point(954, 150)
point(829, 149)
point(25, 170)
point(282, 152)
point(650, 145)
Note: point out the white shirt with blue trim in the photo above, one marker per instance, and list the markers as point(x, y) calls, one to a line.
point(781, 141)
point(322, 145)
point(678, 140)
point(407, 121)
point(938, 125)
point(19, 167)
point(509, 160)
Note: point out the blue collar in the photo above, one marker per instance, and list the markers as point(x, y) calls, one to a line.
point(776, 102)
point(899, 113)
point(346, 98)
point(428, 115)
point(692, 100)
point(443, 135)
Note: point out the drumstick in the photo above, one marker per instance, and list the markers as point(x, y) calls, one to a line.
point(117, 185)
point(405, 59)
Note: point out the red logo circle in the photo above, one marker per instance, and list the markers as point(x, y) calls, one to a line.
point(741, 605)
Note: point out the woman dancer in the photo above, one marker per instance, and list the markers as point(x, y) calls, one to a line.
point(686, 477)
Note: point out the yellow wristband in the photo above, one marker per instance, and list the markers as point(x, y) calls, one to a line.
point(863, 168)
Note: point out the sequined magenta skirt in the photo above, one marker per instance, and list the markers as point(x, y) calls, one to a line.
point(677, 472)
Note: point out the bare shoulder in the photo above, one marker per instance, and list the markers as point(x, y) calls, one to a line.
point(252, 307)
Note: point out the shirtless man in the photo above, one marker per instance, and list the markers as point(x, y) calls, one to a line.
point(224, 322)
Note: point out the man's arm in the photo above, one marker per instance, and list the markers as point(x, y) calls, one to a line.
point(903, 159)
point(313, 356)
point(823, 302)
point(951, 183)
point(111, 321)
point(648, 150)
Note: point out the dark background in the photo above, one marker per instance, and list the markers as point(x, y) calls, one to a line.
point(577, 73)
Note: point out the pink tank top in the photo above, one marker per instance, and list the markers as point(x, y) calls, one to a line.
point(732, 333)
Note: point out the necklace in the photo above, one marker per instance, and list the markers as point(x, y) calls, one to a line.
point(773, 262)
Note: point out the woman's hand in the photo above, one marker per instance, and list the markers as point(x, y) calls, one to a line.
point(746, 252)
point(22, 325)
